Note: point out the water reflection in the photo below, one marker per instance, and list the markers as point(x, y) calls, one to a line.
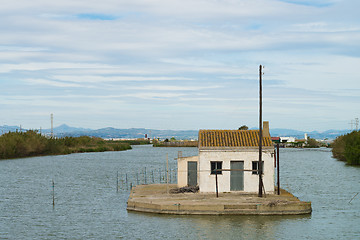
point(226, 227)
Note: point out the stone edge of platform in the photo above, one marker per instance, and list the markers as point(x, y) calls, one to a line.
point(272, 208)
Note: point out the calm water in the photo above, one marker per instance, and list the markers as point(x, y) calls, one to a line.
point(88, 206)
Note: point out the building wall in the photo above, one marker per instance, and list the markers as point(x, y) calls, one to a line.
point(183, 170)
point(251, 181)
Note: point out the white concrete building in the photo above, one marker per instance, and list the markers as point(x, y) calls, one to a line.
point(235, 150)
point(287, 139)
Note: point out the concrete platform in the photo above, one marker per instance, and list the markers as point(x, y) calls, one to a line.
point(154, 199)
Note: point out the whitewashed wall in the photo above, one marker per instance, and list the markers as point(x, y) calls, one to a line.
point(251, 182)
point(183, 170)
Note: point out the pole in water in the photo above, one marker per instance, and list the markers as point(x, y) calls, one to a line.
point(53, 192)
point(145, 175)
point(353, 197)
point(175, 175)
point(170, 176)
point(122, 181)
point(126, 181)
point(167, 173)
point(117, 181)
point(159, 175)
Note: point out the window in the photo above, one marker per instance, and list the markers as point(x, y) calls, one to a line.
point(255, 167)
point(216, 165)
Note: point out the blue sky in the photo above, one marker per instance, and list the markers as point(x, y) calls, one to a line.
point(179, 64)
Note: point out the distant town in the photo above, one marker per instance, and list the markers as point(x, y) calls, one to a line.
point(280, 135)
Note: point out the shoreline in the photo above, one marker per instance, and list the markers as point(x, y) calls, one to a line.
point(155, 199)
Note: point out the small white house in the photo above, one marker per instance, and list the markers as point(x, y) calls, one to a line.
point(236, 152)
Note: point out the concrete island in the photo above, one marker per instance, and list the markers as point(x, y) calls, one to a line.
point(227, 173)
point(156, 199)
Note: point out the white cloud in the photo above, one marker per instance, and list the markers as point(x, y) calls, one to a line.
point(36, 66)
point(154, 95)
point(181, 54)
point(99, 79)
point(172, 88)
point(51, 83)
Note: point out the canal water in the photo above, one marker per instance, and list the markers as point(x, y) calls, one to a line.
point(88, 205)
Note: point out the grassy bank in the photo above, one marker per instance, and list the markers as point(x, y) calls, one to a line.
point(30, 143)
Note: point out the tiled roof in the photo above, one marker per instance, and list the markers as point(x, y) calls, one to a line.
point(231, 138)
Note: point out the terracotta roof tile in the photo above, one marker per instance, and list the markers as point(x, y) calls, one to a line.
point(231, 138)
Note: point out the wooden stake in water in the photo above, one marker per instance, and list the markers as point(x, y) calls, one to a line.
point(53, 192)
point(159, 175)
point(145, 175)
point(167, 173)
point(126, 181)
point(170, 176)
point(117, 181)
point(353, 197)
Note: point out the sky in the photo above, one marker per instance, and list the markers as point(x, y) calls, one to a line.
point(180, 64)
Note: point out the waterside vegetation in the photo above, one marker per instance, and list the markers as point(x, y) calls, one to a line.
point(31, 143)
point(310, 143)
point(175, 143)
point(347, 148)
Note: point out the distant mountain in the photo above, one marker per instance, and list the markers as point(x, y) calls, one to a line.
point(6, 129)
point(136, 133)
point(109, 132)
point(64, 129)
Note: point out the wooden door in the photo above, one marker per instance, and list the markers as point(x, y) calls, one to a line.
point(237, 177)
point(192, 173)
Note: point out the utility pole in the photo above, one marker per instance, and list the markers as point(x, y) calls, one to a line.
point(356, 124)
point(260, 134)
point(52, 125)
point(351, 125)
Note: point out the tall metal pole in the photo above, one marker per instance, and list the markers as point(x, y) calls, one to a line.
point(260, 134)
point(278, 169)
point(216, 182)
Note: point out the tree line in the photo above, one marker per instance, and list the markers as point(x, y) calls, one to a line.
point(347, 148)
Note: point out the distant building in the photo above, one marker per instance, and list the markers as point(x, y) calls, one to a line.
point(287, 139)
point(236, 152)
